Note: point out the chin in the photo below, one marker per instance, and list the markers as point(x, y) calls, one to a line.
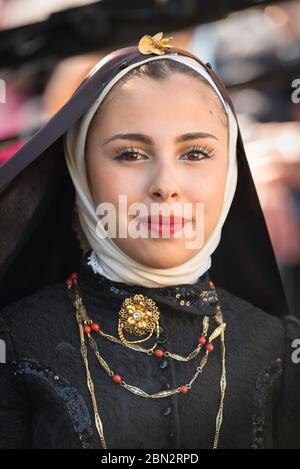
point(164, 260)
point(158, 257)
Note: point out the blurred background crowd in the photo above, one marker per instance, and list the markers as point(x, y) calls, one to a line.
point(254, 49)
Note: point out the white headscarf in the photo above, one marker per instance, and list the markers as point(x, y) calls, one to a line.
point(107, 258)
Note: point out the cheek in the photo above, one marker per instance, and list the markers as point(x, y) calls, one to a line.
point(100, 179)
point(207, 185)
point(209, 189)
point(108, 183)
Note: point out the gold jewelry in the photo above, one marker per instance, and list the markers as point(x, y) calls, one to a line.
point(86, 326)
point(138, 315)
point(154, 44)
point(166, 353)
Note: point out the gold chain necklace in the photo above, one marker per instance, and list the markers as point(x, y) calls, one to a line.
point(87, 326)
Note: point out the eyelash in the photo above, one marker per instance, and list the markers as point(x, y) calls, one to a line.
point(204, 150)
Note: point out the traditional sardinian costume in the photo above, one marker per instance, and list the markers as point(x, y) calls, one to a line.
point(217, 368)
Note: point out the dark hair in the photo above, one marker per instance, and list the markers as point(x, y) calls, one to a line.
point(161, 70)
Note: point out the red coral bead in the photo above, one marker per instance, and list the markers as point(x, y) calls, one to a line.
point(87, 329)
point(210, 347)
point(69, 282)
point(202, 340)
point(74, 276)
point(95, 327)
point(117, 379)
point(158, 353)
point(212, 285)
point(184, 389)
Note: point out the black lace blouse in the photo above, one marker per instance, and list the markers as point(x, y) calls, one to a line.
point(45, 402)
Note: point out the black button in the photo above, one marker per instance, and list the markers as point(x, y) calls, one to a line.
point(166, 411)
point(171, 435)
point(163, 364)
point(161, 330)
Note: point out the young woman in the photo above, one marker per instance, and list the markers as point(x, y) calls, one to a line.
point(130, 336)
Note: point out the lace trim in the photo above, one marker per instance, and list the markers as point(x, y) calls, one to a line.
point(93, 262)
point(264, 383)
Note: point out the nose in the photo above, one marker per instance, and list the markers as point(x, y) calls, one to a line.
point(164, 186)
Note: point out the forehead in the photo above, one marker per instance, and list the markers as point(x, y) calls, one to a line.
point(174, 98)
point(175, 86)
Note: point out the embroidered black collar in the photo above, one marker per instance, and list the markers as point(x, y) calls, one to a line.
point(198, 298)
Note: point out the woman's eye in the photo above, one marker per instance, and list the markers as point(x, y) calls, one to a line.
point(198, 154)
point(130, 155)
point(194, 156)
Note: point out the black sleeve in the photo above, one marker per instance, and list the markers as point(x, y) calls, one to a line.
point(15, 416)
point(287, 434)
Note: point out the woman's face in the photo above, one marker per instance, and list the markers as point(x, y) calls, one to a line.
point(160, 163)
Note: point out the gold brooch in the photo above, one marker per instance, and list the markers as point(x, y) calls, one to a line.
point(154, 44)
point(138, 315)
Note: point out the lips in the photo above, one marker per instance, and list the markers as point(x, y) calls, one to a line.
point(163, 224)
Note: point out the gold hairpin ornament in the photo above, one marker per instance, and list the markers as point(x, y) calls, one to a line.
point(154, 44)
point(138, 315)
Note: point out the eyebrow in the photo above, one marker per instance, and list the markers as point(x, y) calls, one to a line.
point(136, 137)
